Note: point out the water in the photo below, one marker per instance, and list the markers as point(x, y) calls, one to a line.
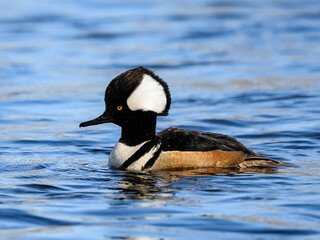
point(249, 69)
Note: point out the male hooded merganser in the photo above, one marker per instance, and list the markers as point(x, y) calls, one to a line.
point(133, 101)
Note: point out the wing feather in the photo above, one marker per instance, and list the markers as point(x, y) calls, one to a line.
point(174, 139)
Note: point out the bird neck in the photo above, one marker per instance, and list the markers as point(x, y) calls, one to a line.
point(140, 128)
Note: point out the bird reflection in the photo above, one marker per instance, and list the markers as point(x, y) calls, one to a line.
point(160, 185)
point(139, 185)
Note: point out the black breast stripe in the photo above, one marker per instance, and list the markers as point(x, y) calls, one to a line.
point(152, 160)
point(138, 154)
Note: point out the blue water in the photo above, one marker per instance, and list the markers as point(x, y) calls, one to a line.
point(249, 69)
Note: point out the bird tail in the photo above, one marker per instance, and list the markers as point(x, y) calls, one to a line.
point(260, 161)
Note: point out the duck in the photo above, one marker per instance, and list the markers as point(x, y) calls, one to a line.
point(133, 100)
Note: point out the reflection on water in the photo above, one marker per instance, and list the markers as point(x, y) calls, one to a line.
point(249, 69)
point(143, 186)
point(157, 186)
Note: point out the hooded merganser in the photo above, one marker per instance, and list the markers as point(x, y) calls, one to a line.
point(133, 101)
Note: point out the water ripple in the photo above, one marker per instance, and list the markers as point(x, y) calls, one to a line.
point(248, 69)
point(15, 218)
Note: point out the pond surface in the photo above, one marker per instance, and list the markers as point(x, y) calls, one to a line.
point(249, 69)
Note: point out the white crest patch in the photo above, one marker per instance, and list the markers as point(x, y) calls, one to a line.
point(148, 96)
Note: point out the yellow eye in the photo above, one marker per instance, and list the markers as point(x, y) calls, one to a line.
point(119, 108)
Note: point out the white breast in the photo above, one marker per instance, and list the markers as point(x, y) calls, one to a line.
point(121, 152)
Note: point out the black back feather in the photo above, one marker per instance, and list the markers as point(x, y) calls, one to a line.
point(174, 139)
